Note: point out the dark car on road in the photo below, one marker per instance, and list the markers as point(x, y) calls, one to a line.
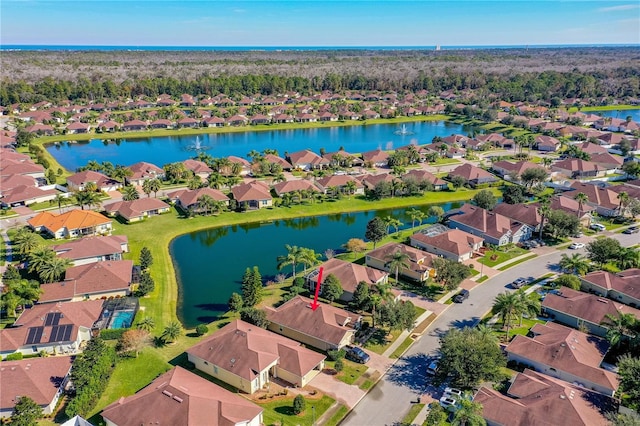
point(462, 296)
point(357, 355)
point(631, 230)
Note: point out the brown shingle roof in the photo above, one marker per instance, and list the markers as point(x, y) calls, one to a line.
point(246, 350)
point(145, 170)
point(490, 223)
point(625, 282)
point(525, 213)
point(89, 176)
point(135, 208)
point(350, 274)
point(470, 172)
point(294, 185)
point(189, 197)
point(37, 378)
point(91, 247)
point(179, 397)
point(415, 255)
point(423, 175)
point(327, 323)
point(196, 166)
point(602, 197)
point(453, 241)
point(251, 191)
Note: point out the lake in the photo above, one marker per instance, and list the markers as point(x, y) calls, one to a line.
point(209, 264)
point(623, 114)
point(168, 149)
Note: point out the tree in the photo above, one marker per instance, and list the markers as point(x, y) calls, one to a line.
point(308, 257)
point(450, 273)
point(528, 306)
point(485, 199)
point(355, 245)
point(543, 210)
point(60, 200)
point(469, 413)
point(629, 372)
point(129, 193)
point(437, 415)
point(437, 212)
point(254, 316)
point(171, 332)
point(86, 198)
point(624, 200)
point(376, 230)
point(120, 173)
point(560, 224)
point(582, 199)
point(53, 269)
point(603, 250)
point(415, 215)
point(252, 291)
point(468, 357)
point(146, 258)
point(147, 324)
point(634, 207)
point(26, 241)
point(533, 176)
point(201, 329)
point(361, 296)
point(205, 203)
point(134, 341)
point(396, 261)
point(397, 315)
point(331, 288)
point(621, 327)
point(628, 257)
point(299, 404)
point(291, 258)
point(458, 181)
point(575, 264)
point(632, 168)
point(506, 305)
point(146, 285)
point(622, 419)
point(40, 256)
point(26, 412)
point(339, 365)
point(513, 194)
point(567, 280)
point(391, 222)
point(235, 302)
point(151, 185)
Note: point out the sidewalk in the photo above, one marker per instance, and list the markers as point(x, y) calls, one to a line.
point(404, 335)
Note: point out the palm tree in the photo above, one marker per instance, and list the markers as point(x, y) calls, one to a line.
point(147, 324)
point(468, 413)
point(26, 241)
point(86, 198)
point(54, 269)
point(381, 293)
point(507, 306)
point(291, 258)
point(215, 180)
point(628, 258)
point(544, 211)
point(575, 264)
point(151, 185)
point(620, 327)
point(624, 199)
point(547, 161)
point(205, 203)
point(171, 332)
point(390, 222)
point(350, 187)
point(308, 257)
point(39, 256)
point(581, 198)
point(396, 261)
point(129, 193)
point(60, 200)
point(415, 215)
point(528, 305)
point(120, 173)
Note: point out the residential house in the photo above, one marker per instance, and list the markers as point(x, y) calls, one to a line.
point(57, 328)
point(513, 170)
point(78, 127)
point(420, 262)
point(187, 199)
point(566, 354)
point(71, 224)
point(570, 206)
point(473, 175)
point(547, 143)
point(199, 168)
point(339, 183)
point(326, 327)
point(349, 274)
point(608, 162)
point(307, 160)
point(244, 164)
point(179, 397)
point(371, 181)
point(213, 122)
point(41, 379)
point(422, 176)
point(524, 213)
point(591, 148)
point(342, 158)
point(493, 227)
point(253, 195)
point(294, 186)
point(622, 287)
point(578, 309)
point(93, 249)
point(24, 195)
point(375, 158)
point(137, 210)
point(578, 169)
point(79, 181)
point(161, 123)
point(274, 159)
point(143, 171)
point(603, 200)
point(246, 357)
point(452, 244)
point(537, 399)
point(134, 125)
point(91, 281)
point(11, 167)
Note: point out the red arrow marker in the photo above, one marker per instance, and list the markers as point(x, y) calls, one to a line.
point(315, 304)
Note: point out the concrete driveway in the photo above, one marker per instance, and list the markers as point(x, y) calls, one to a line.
point(348, 395)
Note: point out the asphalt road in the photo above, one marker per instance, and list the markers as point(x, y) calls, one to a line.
point(390, 400)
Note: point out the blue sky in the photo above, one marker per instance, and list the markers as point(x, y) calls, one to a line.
point(318, 23)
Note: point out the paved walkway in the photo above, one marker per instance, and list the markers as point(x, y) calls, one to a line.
point(404, 335)
point(346, 394)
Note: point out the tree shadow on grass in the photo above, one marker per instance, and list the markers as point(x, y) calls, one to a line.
point(285, 410)
point(410, 372)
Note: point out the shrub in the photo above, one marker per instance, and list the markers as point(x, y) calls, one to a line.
point(298, 282)
point(113, 333)
point(201, 329)
point(335, 355)
point(339, 365)
point(17, 356)
point(299, 404)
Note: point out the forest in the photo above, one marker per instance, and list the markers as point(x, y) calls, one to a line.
point(530, 75)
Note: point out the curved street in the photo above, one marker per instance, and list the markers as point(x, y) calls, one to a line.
point(390, 400)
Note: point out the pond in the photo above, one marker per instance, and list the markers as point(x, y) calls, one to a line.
point(210, 263)
point(622, 114)
point(167, 149)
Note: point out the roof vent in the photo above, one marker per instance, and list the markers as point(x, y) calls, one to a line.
point(562, 397)
point(177, 398)
point(166, 392)
point(603, 300)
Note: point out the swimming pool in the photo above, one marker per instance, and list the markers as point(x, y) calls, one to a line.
point(122, 319)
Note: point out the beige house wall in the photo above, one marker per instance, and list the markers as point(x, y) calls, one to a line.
point(310, 340)
point(231, 378)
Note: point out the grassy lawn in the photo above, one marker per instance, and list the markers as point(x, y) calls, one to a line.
point(351, 371)
point(482, 279)
point(280, 412)
point(402, 348)
point(337, 416)
point(3, 252)
point(496, 257)
point(445, 161)
point(515, 328)
point(517, 262)
point(412, 414)
point(603, 108)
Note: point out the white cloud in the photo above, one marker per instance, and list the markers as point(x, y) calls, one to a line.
point(619, 8)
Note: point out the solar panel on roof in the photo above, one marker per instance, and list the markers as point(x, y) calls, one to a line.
point(52, 318)
point(67, 332)
point(34, 336)
point(53, 337)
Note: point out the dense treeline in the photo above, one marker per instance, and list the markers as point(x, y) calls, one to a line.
point(619, 83)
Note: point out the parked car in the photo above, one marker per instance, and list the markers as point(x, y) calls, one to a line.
point(631, 230)
point(597, 227)
point(578, 235)
point(462, 296)
point(575, 246)
point(447, 403)
point(357, 355)
point(453, 393)
point(518, 283)
point(432, 368)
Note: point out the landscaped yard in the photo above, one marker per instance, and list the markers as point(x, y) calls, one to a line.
point(515, 328)
point(496, 257)
point(350, 373)
point(280, 411)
